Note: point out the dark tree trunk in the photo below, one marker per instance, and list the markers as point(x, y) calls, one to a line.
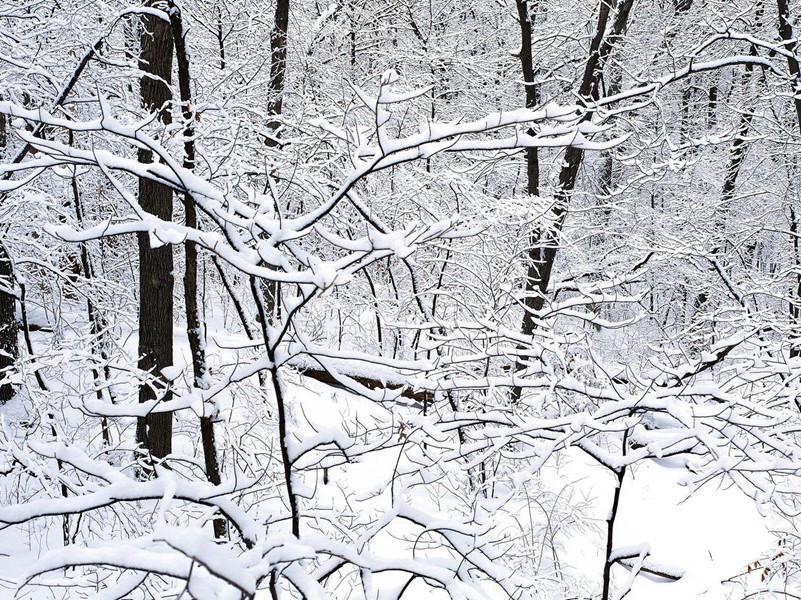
point(220, 38)
point(194, 329)
point(278, 40)
point(278, 44)
point(712, 111)
point(795, 303)
point(9, 347)
point(682, 6)
point(787, 36)
point(544, 242)
point(97, 322)
point(154, 432)
point(526, 15)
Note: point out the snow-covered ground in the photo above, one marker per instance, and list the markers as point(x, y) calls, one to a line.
point(711, 535)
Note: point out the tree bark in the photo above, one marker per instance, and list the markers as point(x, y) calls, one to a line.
point(787, 36)
point(278, 44)
point(194, 328)
point(9, 346)
point(526, 19)
point(154, 432)
point(97, 322)
point(544, 241)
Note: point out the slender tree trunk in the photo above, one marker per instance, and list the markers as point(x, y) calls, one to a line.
point(544, 241)
point(788, 38)
point(526, 14)
point(97, 323)
point(154, 432)
point(220, 39)
point(278, 44)
point(194, 326)
point(620, 475)
point(9, 345)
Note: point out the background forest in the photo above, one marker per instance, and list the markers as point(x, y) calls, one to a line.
point(399, 299)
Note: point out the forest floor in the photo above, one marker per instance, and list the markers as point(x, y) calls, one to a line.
point(712, 536)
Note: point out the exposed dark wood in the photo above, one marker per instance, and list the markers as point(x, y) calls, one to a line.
point(545, 240)
point(293, 501)
point(194, 326)
point(154, 432)
point(788, 38)
point(220, 38)
point(9, 345)
point(620, 475)
point(526, 14)
point(97, 322)
point(278, 45)
point(682, 6)
point(323, 376)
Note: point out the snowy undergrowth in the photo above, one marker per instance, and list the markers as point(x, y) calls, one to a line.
point(369, 482)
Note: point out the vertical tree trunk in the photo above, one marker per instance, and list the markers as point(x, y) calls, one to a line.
point(543, 241)
point(788, 39)
point(278, 40)
point(194, 329)
point(9, 347)
point(278, 44)
point(154, 432)
point(526, 15)
point(795, 303)
point(97, 322)
point(220, 38)
point(620, 475)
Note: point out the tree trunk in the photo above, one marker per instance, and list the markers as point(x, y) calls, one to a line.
point(278, 39)
point(9, 347)
point(544, 241)
point(788, 39)
point(278, 44)
point(194, 329)
point(97, 322)
point(526, 16)
point(532, 156)
point(154, 432)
